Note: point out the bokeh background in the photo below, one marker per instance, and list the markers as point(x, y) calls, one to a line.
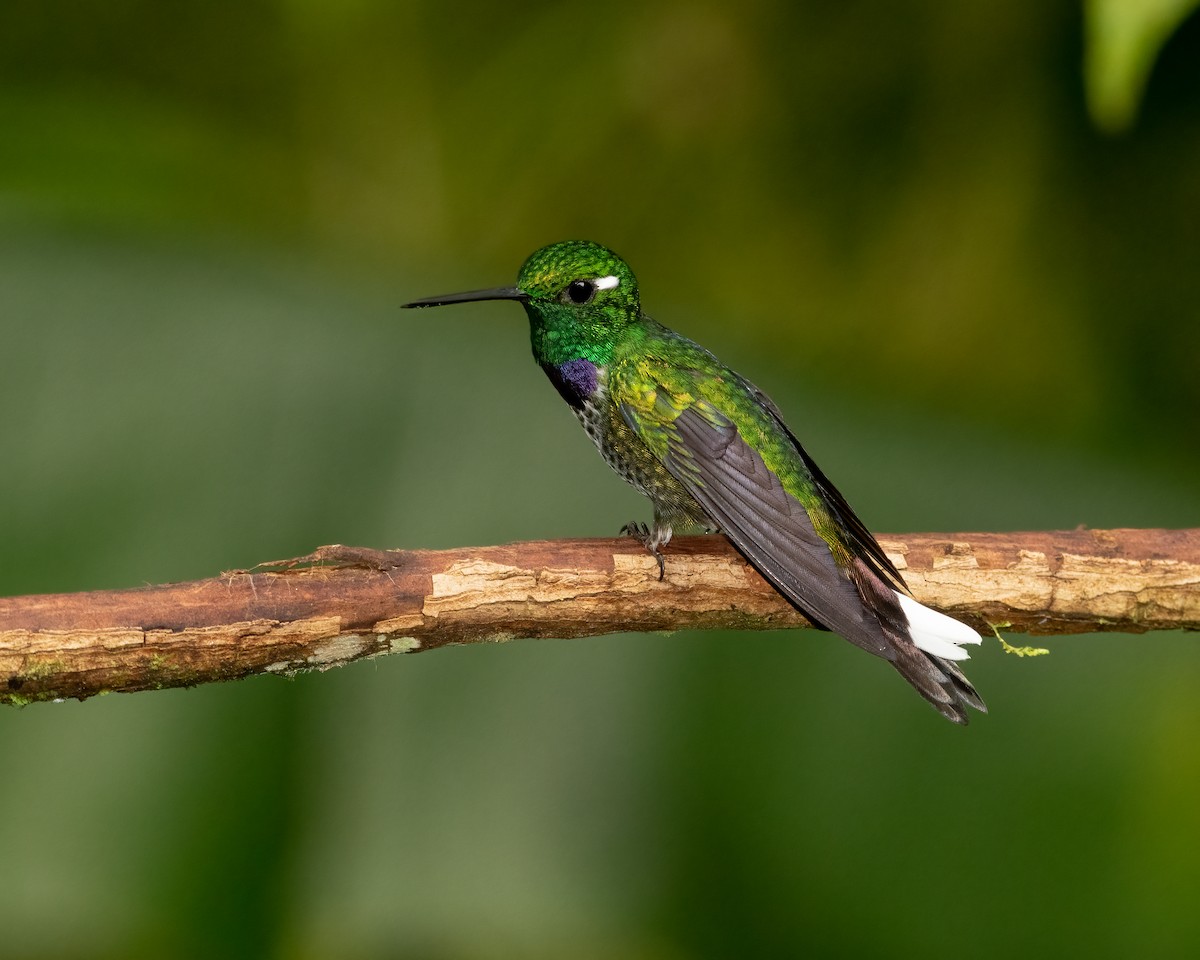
point(943, 236)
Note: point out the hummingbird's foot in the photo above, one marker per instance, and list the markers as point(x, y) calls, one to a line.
point(652, 539)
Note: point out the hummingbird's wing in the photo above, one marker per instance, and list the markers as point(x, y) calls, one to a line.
point(868, 547)
point(702, 448)
point(785, 517)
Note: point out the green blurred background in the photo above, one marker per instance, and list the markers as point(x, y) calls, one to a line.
point(968, 280)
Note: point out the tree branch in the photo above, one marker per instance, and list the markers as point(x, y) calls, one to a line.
point(343, 604)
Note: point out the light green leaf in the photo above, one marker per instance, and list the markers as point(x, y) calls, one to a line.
point(1122, 39)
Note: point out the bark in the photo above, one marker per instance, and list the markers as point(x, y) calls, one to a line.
point(344, 604)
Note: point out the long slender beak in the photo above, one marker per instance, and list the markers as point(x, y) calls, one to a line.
point(499, 293)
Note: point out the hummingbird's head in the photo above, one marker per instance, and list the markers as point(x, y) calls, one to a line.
point(581, 299)
point(582, 277)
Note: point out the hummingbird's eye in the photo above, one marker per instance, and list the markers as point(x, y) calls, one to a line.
point(580, 292)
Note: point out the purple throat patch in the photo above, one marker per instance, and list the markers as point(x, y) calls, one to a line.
point(575, 380)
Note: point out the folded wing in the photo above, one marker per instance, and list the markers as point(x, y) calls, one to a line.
point(850, 594)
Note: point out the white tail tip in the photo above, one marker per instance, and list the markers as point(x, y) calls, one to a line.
point(935, 632)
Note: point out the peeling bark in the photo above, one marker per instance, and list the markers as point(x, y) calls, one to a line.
point(344, 604)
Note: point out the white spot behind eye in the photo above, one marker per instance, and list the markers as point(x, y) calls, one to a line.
point(606, 283)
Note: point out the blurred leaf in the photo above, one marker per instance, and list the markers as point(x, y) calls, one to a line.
point(1123, 38)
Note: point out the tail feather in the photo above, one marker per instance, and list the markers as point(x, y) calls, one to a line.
point(963, 687)
point(928, 662)
point(923, 645)
point(935, 632)
point(939, 681)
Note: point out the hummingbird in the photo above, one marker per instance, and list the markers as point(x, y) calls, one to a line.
point(712, 451)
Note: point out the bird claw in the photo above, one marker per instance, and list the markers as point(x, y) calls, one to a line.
point(650, 540)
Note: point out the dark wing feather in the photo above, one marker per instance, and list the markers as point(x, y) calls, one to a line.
point(771, 528)
point(869, 548)
point(702, 449)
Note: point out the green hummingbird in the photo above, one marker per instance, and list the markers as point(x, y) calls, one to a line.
point(712, 451)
